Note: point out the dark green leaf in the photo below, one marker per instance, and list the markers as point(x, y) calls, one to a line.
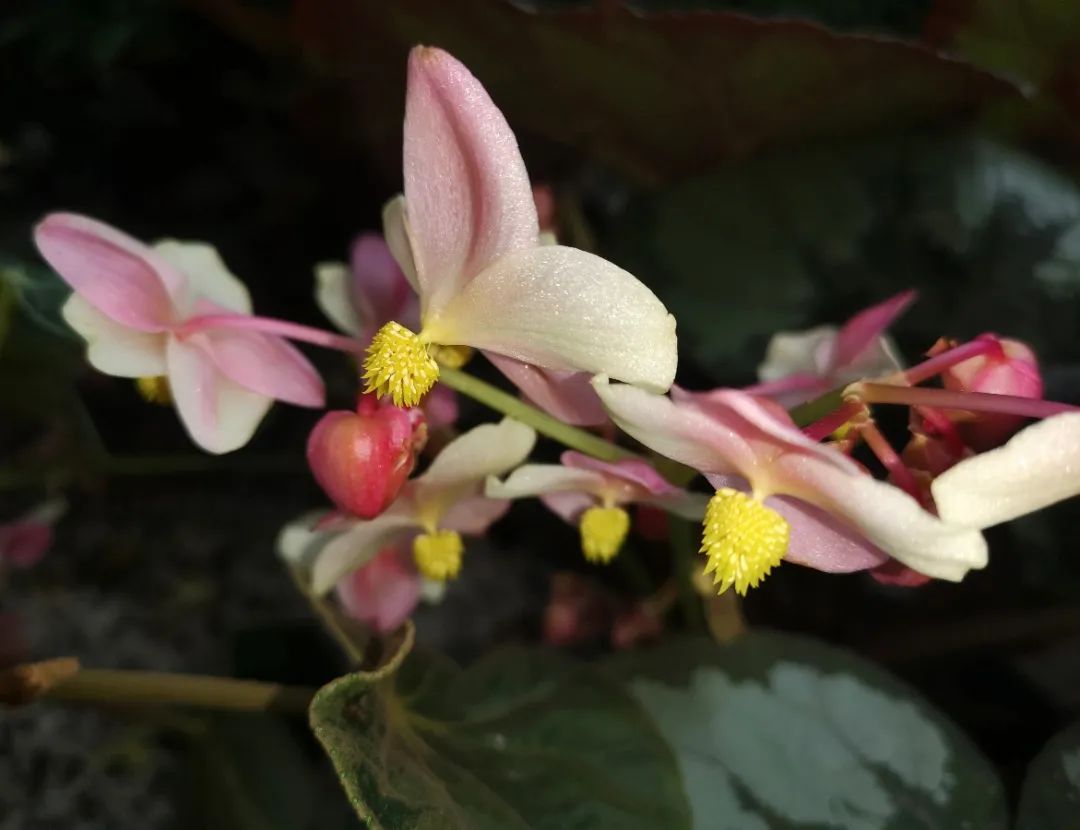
point(1050, 799)
point(523, 739)
point(776, 732)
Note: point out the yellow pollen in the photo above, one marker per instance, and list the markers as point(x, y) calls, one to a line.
point(743, 539)
point(438, 554)
point(399, 364)
point(155, 389)
point(453, 357)
point(603, 531)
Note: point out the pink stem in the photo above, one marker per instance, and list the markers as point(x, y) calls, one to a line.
point(888, 457)
point(966, 401)
point(267, 325)
point(944, 426)
point(946, 360)
point(823, 428)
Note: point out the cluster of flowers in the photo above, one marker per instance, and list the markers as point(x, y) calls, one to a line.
point(463, 266)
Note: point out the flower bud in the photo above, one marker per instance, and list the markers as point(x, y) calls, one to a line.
point(361, 459)
point(1011, 369)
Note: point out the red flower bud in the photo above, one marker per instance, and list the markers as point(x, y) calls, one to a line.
point(361, 459)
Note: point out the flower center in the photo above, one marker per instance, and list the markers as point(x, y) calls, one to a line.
point(399, 364)
point(603, 531)
point(453, 357)
point(155, 389)
point(438, 554)
point(743, 539)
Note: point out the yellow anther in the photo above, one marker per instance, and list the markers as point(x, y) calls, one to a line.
point(155, 389)
point(743, 539)
point(603, 531)
point(398, 364)
point(453, 357)
point(438, 554)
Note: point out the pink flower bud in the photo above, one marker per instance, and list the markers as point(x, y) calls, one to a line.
point(1011, 369)
point(361, 459)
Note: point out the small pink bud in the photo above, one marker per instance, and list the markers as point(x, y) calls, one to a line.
point(1011, 369)
point(361, 459)
point(577, 613)
point(24, 543)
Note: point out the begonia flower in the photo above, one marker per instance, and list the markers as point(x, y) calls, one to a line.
point(382, 593)
point(24, 541)
point(801, 365)
point(135, 305)
point(593, 495)
point(431, 512)
point(780, 495)
point(1037, 467)
point(466, 235)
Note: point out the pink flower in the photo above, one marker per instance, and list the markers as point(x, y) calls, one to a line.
point(592, 495)
point(132, 303)
point(432, 511)
point(802, 365)
point(781, 495)
point(26, 540)
point(466, 235)
point(382, 593)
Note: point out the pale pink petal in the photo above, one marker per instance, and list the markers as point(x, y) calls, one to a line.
point(378, 290)
point(467, 193)
point(792, 390)
point(382, 593)
point(1038, 467)
point(486, 450)
point(474, 515)
point(24, 543)
point(820, 541)
point(863, 330)
point(333, 281)
point(638, 473)
point(568, 506)
point(567, 396)
point(399, 239)
point(355, 547)
point(268, 365)
point(112, 347)
point(440, 407)
point(806, 353)
point(537, 479)
point(118, 275)
point(564, 309)
point(219, 415)
point(206, 276)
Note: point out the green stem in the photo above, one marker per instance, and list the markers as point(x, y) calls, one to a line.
point(814, 410)
point(684, 545)
point(504, 402)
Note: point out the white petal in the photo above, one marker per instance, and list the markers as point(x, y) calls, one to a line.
point(796, 352)
point(886, 515)
point(537, 479)
point(206, 273)
point(113, 348)
point(356, 547)
point(332, 295)
point(298, 541)
point(486, 450)
point(565, 309)
point(1039, 466)
point(396, 233)
point(220, 415)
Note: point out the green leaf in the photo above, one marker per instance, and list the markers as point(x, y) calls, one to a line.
point(1050, 799)
point(523, 739)
point(776, 731)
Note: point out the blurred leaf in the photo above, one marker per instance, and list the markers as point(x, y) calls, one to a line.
point(523, 739)
point(776, 731)
point(40, 294)
point(656, 95)
point(1050, 799)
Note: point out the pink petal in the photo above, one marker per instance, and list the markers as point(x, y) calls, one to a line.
point(638, 473)
point(467, 193)
point(117, 275)
point(474, 515)
point(379, 291)
point(820, 541)
point(568, 506)
point(440, 407)
point(219, 415)
point(863, 330)
point(268, 365)
point(24, 543)
point(791, 390)
point(567, 396)
point(893, 573)
point(382, 593)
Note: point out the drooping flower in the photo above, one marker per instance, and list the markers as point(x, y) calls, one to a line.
point(24, 541)
point(593, 495)
point(466, 235)
point(133, 304)
point(361, 459)
point(801, 365)
point(780, 495)
point(432, 511)
point(383, 592)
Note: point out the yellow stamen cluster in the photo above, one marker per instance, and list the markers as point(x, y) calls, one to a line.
point(603, 531)
point(398, 364)
point(438, 554)
point(743, 539)
point(155, 390)
point(453, 357)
